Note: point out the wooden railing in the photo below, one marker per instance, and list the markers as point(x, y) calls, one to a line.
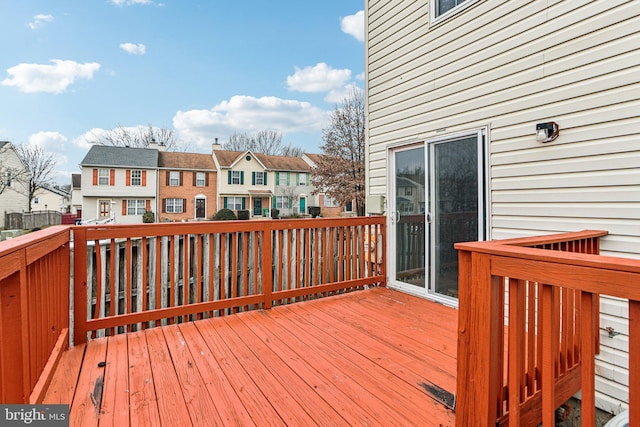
point(524, 352)
point(34, 312)
point(130, 277)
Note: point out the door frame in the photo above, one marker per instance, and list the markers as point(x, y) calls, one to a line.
point(195, 206)
point(484, 203)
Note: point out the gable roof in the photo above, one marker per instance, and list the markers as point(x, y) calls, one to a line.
point(191, 161)
point(315, 158)
point(103, 155)
point(276, 163)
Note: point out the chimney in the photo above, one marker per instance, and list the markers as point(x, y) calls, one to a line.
point(162, 147)
point(216, 146)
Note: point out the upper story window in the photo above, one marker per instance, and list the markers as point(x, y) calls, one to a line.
point(236, 177)
point(282, 178)
point(302, 178)
point(103, 176)
point(259, 177)
point(200, 179)
point(7, 178)
point(174, 178)
point(440, 8)
point(136, 177)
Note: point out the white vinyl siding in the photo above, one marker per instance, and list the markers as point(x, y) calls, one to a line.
point(509, 65)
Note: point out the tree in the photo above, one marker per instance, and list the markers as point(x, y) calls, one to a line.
point(340, 171)
point(38, 169)
point(267, 142)
point(139, 137)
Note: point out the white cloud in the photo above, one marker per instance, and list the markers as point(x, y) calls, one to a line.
point(354, 25)
point(130, 2)
point(56, 78)
point(337, 96)
point(247, 114)
point(52, 142)
point(319, 78)
point(134, 49)
point(39, 21)
point(86, 140)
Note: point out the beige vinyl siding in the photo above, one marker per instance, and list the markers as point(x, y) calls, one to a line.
point(507, 65)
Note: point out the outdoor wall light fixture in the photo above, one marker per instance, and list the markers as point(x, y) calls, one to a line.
point(547, 132)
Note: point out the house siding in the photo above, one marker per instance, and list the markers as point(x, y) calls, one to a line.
point(13, 198)
point(505, 66)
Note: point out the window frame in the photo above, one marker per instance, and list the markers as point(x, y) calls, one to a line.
point(259, 178)
point(231, 203)
point(433, 9)
point(302, 178)
point(136, 177)
point(172, 204)
point(174, 179)
point(201, 179)
point(236, 176)
point(106, 173)
point(136, 207)
point(280, 202)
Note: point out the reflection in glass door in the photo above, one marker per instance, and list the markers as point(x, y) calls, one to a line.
point(437, 196)
point(456, 207)
point(408, 219)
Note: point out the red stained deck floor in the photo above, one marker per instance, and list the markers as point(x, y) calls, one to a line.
point(375, 357)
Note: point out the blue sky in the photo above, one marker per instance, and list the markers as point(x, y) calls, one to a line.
point(70, 69)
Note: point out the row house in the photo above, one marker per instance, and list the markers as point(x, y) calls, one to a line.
point(187, 186)
point(119, 184)
point(258, 183)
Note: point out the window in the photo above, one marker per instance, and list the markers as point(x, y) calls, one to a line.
point(234, 203)
point(442, 7)
point(329, 202)
point(302, 179)
point(282, 178)
point(259, 178)
point(105, 208)
point(7, 178)
point(103, 176)
point(135, 207)
point(200, 179)
point(174, 179)
point(174, 206)
point(36, 200)
point(136, 177)
point(282, 202)
point(236, 177)
point(349, 207)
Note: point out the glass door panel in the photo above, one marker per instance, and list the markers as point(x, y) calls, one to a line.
point(455, 208)
point(409, 218)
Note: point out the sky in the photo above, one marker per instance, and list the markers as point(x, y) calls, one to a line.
point(73, 69)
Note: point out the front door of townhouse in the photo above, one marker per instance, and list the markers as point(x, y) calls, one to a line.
point(303, 202)
point(257, 207)
point(201, 210)
point(104, 207)
point(437, 200)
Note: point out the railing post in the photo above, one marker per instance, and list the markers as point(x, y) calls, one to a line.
point(479, 335)
point(79, 285)
point(267, 266)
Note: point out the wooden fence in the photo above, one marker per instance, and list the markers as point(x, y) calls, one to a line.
point(129, 277)
point(34, 312)
point(523, 354)
point(31, 220)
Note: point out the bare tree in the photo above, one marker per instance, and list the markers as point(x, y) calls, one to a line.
point(266, 142)
point(140, 137)
point(340, 171)
point(39, 165)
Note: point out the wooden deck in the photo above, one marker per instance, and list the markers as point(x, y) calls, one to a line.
point(374, 357)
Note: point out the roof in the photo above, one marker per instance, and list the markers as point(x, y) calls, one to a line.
point(103, 155)
point(277, 163)
point(3, 143)
point(76, 179)
point(56, 190)
point(192, 161)
point(315, 158)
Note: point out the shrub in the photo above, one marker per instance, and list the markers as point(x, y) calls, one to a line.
point(148, 217)
point(243, 214)
point(314, 211)
point(224, 214)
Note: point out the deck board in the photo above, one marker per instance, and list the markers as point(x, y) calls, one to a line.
point(354, 359)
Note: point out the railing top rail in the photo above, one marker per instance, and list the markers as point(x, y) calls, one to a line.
point(31, 239)
point(110, 231)
point(543, 240)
